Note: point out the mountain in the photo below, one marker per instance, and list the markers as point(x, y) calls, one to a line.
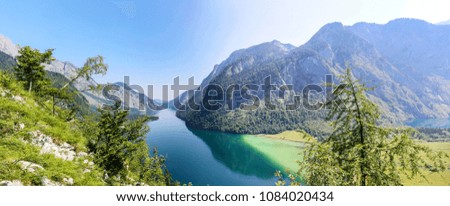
point(407, 61)
point(9, 50)
point(239, 60)
point(444, 22)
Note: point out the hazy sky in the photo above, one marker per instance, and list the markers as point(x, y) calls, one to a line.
point(156, 40)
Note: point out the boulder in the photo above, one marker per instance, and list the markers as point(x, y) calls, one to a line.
point(64, 151)
point(47, 182)
point(29, 166)
point(11, 183)
point(82, 154)
point(18, 99)
point(68, 180)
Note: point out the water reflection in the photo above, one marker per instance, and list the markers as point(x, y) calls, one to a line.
point(236, 154)
point(213, 158)
point(430, 123)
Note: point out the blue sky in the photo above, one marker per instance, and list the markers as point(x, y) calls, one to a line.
point(156, 40)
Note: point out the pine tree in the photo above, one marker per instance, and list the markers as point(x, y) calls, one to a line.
point(360, 151)
point(121, 150)
point(30, 68)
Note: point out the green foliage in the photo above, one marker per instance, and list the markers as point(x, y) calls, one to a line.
point(359, 151)
point(67, 102)
point(122, 152)
point(258, 121)
point(116, 140)
point(64, 95)
point(92, 66)
point(69, 98)
point(13, 150)
point(19, 107)
point(30, 68)
point(30, 71)
point(293, 179)
point(433, 134)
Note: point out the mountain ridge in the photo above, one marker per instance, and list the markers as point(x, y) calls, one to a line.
point(406, 60)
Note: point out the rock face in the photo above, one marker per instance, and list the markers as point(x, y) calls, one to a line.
point(8, 47)
point(63, 151)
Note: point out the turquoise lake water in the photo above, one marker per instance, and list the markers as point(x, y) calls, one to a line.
point(216, 158)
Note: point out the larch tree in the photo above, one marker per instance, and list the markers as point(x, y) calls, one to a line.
point(92, 66)
point(360, 151)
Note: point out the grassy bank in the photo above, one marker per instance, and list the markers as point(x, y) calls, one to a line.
point(434, 178)
point(20, 116)
point(292, 135)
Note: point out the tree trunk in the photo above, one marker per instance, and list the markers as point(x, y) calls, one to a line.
point(53, 105)
point(361, 136)
point(31, 86)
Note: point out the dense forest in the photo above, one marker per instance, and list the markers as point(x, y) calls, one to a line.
point(258, 121)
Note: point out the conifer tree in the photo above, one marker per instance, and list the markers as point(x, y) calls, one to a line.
point(92, 66)
point(30, 68)
point(121, 150)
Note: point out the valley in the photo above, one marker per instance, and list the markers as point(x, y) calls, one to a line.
point(238, 144)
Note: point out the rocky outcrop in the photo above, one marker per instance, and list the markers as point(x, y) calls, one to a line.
point(48, 182)
point(68, 180)
point(7, 93)
point(11, 183)
point(29, 166)
point(8, 47)
point(64, 151)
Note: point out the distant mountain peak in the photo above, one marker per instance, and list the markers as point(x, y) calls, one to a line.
point(407, 20)
point(408, 24)
point(333, 26)
point(329, 29)
point(8, 47)
point(280, 44)
point(269, 46)
point(260, 51)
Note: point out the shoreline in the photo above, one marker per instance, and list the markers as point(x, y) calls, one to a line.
point(289, 135)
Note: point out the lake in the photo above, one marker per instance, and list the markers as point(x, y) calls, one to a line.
point(216, 158)
point(430, 123)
